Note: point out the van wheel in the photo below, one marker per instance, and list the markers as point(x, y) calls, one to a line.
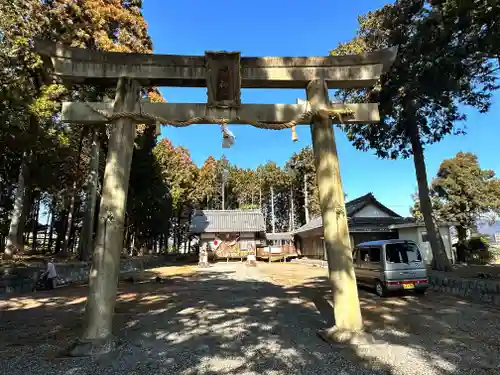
point(380, 289)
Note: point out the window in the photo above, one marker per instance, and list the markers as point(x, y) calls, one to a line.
point(364, 254)
point(425, 237)
point(370, 254)
point(402, 253)
point(375, 254)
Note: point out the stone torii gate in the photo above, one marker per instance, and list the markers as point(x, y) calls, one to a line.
point(224, 74)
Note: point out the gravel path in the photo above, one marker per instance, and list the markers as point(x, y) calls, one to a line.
point(233, 319)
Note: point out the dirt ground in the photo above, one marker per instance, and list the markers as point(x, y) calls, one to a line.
point(57, 315)
point(434, 334)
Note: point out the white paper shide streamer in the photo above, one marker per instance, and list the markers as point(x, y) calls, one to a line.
point(227, 137)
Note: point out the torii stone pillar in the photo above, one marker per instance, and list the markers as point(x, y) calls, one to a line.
point(331, 200)
point(109, 241)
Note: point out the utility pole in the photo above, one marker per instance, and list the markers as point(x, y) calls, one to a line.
point(223, 189)
point(306, 199)
point(292, 211)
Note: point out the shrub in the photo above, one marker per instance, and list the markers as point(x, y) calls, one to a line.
point(495, 253)
point(478, 250)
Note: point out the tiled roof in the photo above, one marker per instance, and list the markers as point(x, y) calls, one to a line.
point(279, 236)
point(354, 206)
point(215, 221)
point(359, 203)
point(314, 223)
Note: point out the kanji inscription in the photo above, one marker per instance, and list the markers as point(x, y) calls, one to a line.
point(223, 79)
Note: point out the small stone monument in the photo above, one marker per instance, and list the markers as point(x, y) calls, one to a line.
point(203, 260)
point(251, 257)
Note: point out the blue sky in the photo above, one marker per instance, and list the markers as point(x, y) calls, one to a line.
point(294, 28)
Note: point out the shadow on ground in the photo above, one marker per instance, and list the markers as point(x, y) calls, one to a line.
point(226, 320)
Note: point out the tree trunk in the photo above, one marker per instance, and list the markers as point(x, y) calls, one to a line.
point(160, 245)
point(178, 232)
point(87, 234)
point(61, 235)
point(51, 229)
point(273, 220)
point(168, 226)
point(461, 233)
point(58, 242)
point(128, 239)
point(133, 251)
point(223, 195)
point(336, 234)
point(13, 244)
point(103, 279)
point(46, 231)
point(462, 244)
point(306, 199)
point(74, 241)
point(71, 212)
point(176, 238)
point(264, 213)
point(440, 260)
point(60, 230)
point(188, 239)
point(69, 222)
point(36, 214)
point(26, 213)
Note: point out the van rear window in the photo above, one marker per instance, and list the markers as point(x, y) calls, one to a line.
point(402, 253)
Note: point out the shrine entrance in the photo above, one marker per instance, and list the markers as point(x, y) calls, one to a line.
point(224, 74)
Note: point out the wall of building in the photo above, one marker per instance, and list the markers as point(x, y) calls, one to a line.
point(312, 247)
point(360, 237)
point(418, 235)
point(246, 241)
point(371, 211)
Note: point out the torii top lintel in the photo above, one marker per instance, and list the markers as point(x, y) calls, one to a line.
point(78, 65)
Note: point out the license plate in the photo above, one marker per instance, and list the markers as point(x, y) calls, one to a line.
point(408, 286)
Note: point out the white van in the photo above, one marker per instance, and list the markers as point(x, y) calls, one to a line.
point(390, 265)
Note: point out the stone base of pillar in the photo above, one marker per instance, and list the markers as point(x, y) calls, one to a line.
point(251, 260)
point(203, 260)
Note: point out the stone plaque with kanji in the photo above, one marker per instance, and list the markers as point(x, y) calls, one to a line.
point(223, 79)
